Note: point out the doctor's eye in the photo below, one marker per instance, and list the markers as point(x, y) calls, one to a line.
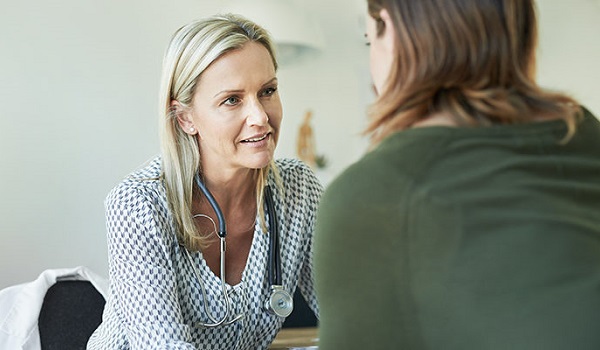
point(231, 101)
point(268, 91)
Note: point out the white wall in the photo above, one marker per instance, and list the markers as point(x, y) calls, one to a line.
point(78, 96)
point(569, 49)
point(78, 90)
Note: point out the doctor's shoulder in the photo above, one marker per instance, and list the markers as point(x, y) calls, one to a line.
point(145, 181)
point(297, 176)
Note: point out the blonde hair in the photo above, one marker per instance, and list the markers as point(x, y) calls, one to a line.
point(191, 50)
point(474, 60)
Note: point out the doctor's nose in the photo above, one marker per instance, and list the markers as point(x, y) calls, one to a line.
point(256, 115)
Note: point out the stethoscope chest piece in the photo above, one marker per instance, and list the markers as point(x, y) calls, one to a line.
point(280, 303)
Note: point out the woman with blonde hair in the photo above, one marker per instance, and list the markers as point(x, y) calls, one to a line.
point(208, 242)
point(473, 221)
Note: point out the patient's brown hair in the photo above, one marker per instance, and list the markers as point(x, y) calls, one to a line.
point(472, 59)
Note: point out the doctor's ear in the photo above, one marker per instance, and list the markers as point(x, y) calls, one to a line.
point(183, 118)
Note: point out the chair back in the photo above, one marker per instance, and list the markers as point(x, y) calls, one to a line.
point(70, 313)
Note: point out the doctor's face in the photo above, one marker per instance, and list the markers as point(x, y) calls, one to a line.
point(236, 111)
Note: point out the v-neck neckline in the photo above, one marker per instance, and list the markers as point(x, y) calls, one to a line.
point(214, 279)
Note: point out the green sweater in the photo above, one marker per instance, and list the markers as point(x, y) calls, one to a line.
point(464, 238)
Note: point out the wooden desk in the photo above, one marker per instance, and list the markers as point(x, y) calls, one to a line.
point(292, 338)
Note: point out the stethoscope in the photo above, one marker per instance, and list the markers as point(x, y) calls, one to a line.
point(280, 302)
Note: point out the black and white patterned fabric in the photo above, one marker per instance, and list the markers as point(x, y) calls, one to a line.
point(155, 300)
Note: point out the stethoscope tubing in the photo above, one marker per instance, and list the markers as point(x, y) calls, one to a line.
point(273, 263)
point(221, 232)
point(222, 229)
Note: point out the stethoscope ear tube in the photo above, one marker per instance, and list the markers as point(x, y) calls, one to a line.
point(222, 231)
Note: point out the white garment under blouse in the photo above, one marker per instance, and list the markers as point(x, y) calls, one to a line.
point(20, 306)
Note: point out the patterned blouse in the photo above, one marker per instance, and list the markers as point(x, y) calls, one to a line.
point(155, 299)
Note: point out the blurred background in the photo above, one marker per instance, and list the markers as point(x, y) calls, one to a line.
point(78, 105)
